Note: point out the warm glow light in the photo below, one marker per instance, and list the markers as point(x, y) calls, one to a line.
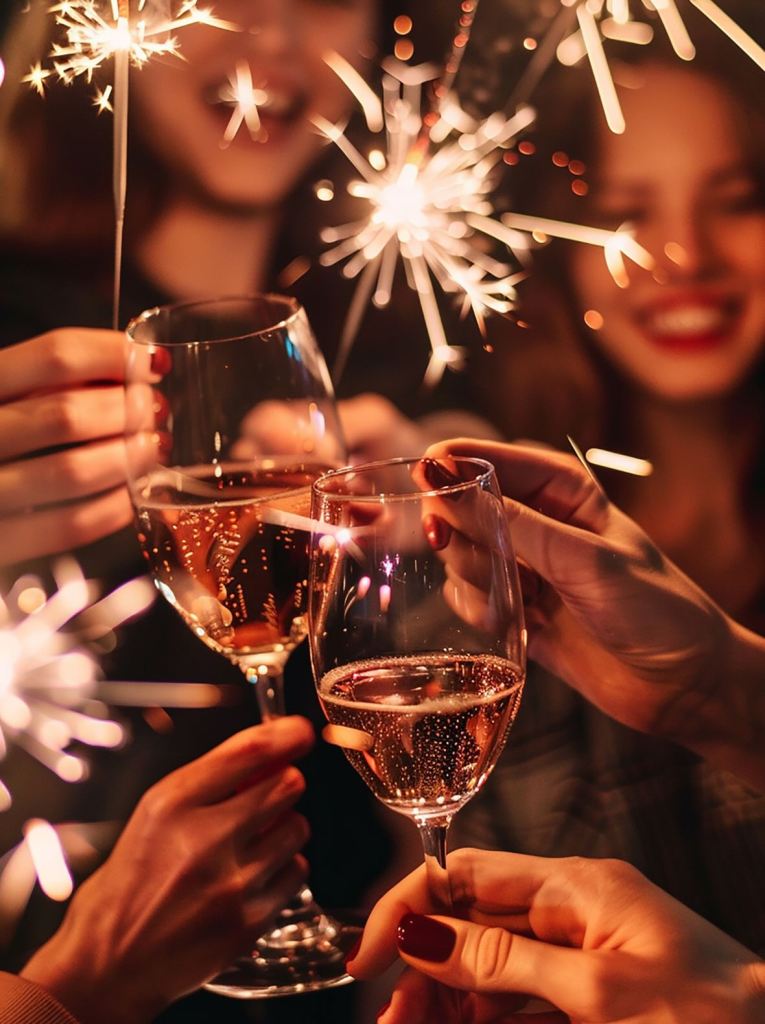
point(623, 20)
point(95, 31)
point(240, 93)
point(48, 859)
point(621, 463)
point(594, 319)
point(421, 192)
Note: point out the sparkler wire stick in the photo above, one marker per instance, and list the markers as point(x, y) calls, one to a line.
point(119, 169)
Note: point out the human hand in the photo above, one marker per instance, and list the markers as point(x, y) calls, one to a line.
point(594, 938)
point(207, 859)
point(611, 615)
point(302, 429)
point(61, 389)
point(374, 429)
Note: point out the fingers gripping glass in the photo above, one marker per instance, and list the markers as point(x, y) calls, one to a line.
point(417, 635)
point(230, 417)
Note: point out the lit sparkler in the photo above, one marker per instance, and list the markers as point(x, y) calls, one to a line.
point(622, 20)
point(48, 679)
point(131, 33)
point(429, 192)
point(421, 197)
point(51, 691)
point(96, 31)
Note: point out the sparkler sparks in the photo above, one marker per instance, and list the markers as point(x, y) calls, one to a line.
point(622, 20)
point(421, 196)
point(51, 692)
point(241, 94)
point(48, 682)
point(430, 205)
point(96, 31)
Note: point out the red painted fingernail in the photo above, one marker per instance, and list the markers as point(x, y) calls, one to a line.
point(353, 950)
point(383, 1009)
point(161, 361)
point(425, 938)
point(437, 530)
point(437, 475)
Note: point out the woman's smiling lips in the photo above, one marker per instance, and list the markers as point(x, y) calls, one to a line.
point(691, 322)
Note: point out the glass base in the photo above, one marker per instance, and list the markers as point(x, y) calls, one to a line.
point(296, 957)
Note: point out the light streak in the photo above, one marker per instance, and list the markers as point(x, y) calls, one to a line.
point(48, 859)
point(616, 245)
point(621, 463)
point(241, 94)
point(622, 20)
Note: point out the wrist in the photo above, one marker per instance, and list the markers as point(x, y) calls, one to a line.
point(73, 973)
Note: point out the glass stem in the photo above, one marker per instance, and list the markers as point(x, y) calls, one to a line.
point(434, 847)
point(269, 690)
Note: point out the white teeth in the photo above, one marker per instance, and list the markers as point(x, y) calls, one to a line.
point(688, 320)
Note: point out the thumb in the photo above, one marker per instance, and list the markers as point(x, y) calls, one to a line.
point(489, 960)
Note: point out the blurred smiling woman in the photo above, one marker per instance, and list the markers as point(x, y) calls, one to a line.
point(669, 369)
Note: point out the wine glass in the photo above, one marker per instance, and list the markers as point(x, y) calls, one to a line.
point(230, 417)
point(417, 634)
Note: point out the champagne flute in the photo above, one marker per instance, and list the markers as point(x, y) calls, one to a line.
point(230, 417)
point(416, 633)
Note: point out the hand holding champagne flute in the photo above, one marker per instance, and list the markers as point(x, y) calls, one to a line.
point(416, 632)
point(222, 501)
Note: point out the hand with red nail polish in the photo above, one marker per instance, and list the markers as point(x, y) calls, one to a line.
point(62, 452)
point(609, 613)
point(594, 941)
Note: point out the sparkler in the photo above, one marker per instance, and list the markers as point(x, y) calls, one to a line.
point(51, 692)
point(601, 20)
point(48, 680)
point(421, 195)
point(241, 94)
point(429, 193)
point(95, 31)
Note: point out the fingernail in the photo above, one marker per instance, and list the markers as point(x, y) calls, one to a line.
point(161, 361)
point(383, 1009)
point(425, 938)
point(437, 530)
point(438, 476)
point(351, 955)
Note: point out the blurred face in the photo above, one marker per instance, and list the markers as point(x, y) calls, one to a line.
point(679, 177)
point(180, 109)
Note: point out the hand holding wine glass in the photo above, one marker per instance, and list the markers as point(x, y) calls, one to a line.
point(222, 507)
point(419, 689)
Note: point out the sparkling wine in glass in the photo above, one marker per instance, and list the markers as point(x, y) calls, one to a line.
point(417, 634)
point(230, 418)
